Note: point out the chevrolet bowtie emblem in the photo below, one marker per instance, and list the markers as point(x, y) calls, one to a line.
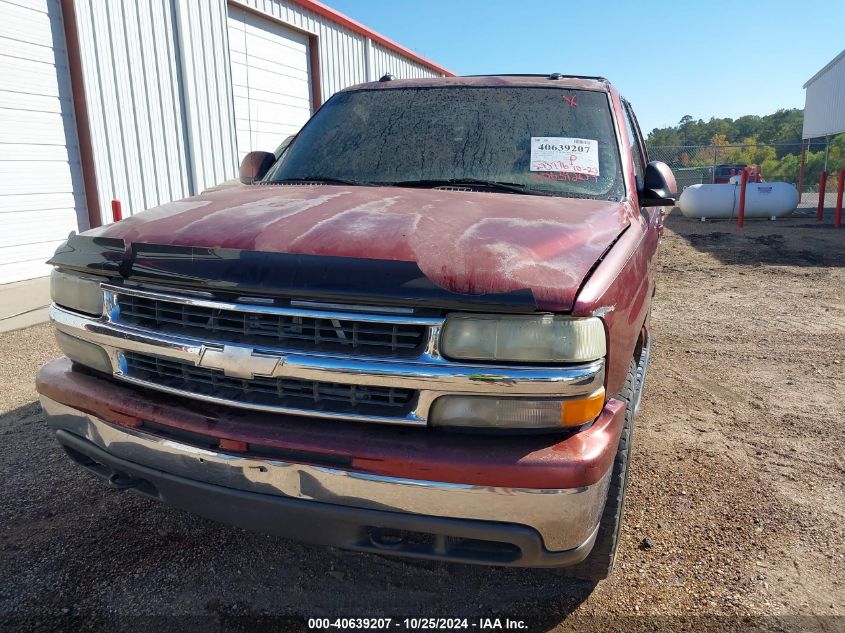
point(239, 361)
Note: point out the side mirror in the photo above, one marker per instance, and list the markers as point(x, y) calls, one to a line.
point(659, 189)
point(255, 166)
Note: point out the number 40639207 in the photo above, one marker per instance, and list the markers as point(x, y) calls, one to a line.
point(581, 149)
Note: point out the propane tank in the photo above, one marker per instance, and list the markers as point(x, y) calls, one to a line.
point(762, 200)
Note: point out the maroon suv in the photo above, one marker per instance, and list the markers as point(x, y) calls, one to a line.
point(421, 330)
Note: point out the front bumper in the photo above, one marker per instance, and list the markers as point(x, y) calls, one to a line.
point(359, 511)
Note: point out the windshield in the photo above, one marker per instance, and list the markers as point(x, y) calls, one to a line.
point(547, 140)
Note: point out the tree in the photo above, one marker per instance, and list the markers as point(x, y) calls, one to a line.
point(772, 142)
point(683, 126)
point(665, 136)
point(781, 127)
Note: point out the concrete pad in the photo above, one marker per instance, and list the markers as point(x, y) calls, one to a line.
point(24, 303)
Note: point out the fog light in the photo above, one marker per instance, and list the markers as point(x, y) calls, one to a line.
point(515, 413)
point(84, 353)
point(76, 292)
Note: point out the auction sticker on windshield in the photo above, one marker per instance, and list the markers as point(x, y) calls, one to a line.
point(558, 153)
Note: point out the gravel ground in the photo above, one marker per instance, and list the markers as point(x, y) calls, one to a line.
point(735, 514)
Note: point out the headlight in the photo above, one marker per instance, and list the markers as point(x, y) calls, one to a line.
point(543, 338)
point(515, 413)
point(76, 292)
point(84, 353)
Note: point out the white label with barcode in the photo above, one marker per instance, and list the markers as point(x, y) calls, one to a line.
point(563, 154)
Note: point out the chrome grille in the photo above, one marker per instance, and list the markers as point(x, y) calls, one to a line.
point(276, 392)
point(272, 330)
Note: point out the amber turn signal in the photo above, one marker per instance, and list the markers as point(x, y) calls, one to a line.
point(578, 412)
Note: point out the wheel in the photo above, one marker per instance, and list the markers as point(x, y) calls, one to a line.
point(599, 562)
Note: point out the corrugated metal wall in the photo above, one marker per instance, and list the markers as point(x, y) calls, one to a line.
point(158, 84)
point(824, 108)
point(346, 58)
point(131, 78)
point(385, 60)
point(159, 96)
point(203, 37)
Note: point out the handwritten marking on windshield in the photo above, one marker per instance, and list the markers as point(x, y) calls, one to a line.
point(570, 100)
point(565, 176)
point(564, 166)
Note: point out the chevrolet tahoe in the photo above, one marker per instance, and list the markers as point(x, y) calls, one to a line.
point(420, 328)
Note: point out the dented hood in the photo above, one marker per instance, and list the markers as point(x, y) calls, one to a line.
point(465, 242)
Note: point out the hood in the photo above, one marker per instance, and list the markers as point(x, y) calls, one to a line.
point(465, 242)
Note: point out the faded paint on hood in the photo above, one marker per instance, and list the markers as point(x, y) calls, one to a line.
point(465, 242)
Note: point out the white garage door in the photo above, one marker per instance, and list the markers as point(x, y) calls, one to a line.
point(41, 195)
point(270, 81)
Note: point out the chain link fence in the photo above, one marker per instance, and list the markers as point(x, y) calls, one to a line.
point(778, 162)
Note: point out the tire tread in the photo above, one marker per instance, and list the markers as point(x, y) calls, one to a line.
point(599, 563)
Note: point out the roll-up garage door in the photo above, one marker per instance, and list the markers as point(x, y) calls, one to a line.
point(41, 192)
point(270, 81)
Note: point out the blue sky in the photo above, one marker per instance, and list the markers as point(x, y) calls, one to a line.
point(669, 58)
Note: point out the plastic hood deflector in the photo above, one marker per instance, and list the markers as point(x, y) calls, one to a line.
point(244, 272)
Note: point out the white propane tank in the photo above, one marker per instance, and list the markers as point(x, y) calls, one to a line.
point(762, 200)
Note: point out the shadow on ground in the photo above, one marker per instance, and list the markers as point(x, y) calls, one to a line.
point(798, 241)
point(77, 554)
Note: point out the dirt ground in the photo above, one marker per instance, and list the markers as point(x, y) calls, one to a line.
point(735, 515)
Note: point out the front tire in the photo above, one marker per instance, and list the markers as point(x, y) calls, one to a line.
point(599, 563)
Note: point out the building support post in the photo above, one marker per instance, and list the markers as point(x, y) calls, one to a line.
point(826, 150)
point(804, 146)
point(822, 186)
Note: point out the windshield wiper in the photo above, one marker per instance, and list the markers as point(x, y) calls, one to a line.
point(324, 179)
point(497, 185)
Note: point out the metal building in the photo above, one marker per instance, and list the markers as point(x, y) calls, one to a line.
point(148, 101)
point(824, 106)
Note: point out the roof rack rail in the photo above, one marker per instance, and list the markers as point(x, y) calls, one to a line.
point(547, 75)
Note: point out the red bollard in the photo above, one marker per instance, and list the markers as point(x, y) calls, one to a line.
point(837, 217)
point(740, 218)
point(116, 211)
point(822, 185)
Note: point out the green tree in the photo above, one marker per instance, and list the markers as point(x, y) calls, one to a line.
point(773, 142)
point(665, 137)
point(683, 127)
point(783, 126)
